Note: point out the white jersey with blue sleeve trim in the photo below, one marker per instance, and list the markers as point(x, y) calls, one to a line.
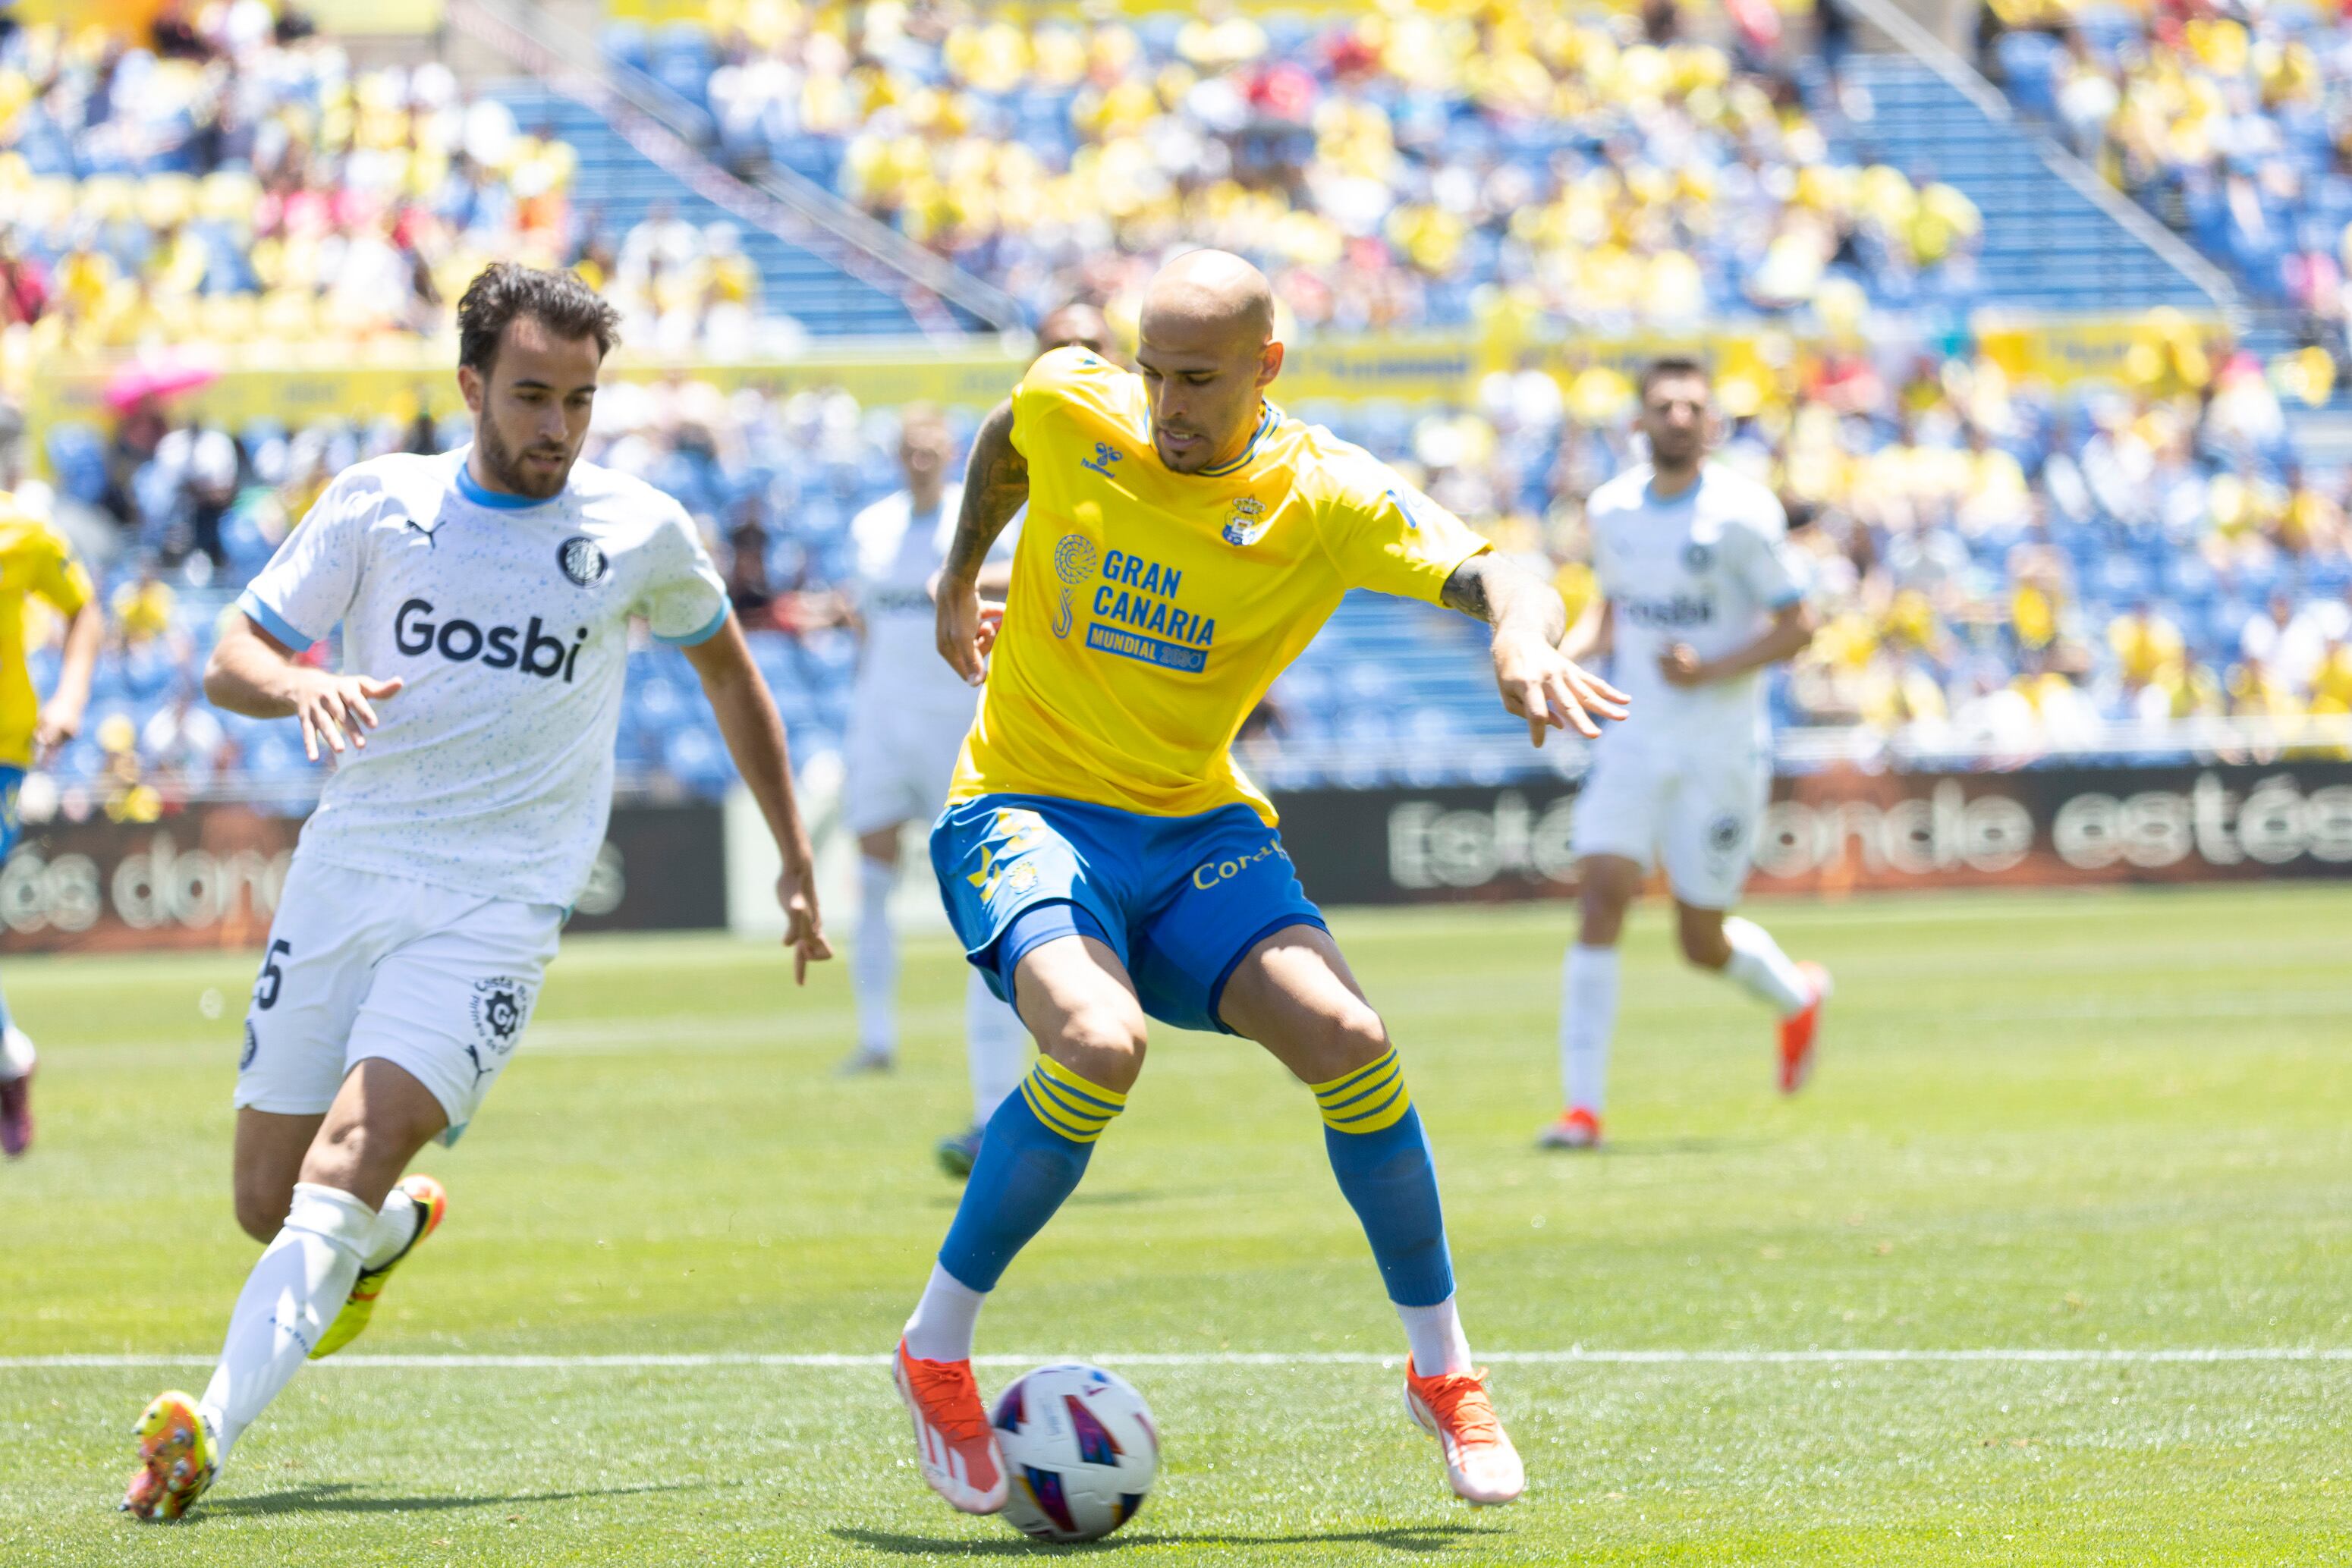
point(508, 622)
point(1709, 567)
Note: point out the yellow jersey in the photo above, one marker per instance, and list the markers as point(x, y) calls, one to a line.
point(33, 559)
point(1149, 609)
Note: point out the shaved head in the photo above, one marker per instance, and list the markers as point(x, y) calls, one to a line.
point(1207, 352)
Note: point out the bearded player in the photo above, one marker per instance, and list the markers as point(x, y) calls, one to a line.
point(485, 597)
point(1699, 596)
point(1104, 861)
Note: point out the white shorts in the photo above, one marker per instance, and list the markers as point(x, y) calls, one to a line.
point(898, 766)
point(435, 981)
point(1695, 813)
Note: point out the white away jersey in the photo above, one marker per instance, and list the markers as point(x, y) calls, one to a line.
point(1707, 567)
point(895, 555)
point(507, 619)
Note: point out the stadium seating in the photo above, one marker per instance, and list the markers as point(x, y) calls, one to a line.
point(1386, 168)
point(2222, 124)
point(620, 194)
point(321, 204)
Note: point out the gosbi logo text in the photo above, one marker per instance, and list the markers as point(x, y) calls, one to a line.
point(1209, 873)
point(528, 649)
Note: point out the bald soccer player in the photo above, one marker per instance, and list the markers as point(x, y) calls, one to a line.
point(1106, 863)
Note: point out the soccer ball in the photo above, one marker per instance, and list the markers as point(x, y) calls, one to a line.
point(1080, 1451)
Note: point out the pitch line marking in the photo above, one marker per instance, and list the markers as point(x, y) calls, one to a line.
point(2206, 1354)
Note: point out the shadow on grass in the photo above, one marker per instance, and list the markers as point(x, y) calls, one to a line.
point(345, 1497)
point(1421, 1539)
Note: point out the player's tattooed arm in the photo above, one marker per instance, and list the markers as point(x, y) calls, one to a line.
point(995, 486)
point(1537, 682)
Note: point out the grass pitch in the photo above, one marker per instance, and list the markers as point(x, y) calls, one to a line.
point(2081, 1132)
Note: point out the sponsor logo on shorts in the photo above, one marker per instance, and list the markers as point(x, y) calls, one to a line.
point(583, 559)
point(499, 1007)
point(1725, 834)
point(1209, 873)
point(252, 1047)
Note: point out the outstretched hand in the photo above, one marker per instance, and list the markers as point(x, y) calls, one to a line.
point(1550, 690)
point(332, 707)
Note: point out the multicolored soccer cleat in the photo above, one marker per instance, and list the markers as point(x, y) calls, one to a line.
point(958, 1152)
point(177, 1459)
point(1800, 1032)
point(431, 1203)
point(16, 1056)
point(1575, 1128)
point(955, 1447)
point(1480, 1463)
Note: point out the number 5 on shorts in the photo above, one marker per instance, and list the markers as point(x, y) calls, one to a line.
point(265, 989)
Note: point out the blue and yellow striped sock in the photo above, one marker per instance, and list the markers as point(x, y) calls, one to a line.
point(1381, 1157)
point(1031, 1158)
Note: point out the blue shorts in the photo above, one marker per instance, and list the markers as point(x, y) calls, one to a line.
point(11, 782)
point(1182, 900)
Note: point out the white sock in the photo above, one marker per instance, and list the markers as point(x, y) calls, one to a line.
point(944, 1319)
point(394, 1228)
point(1758, 967)
point(16, 1055)
point(292, 1294)
point(1588, 1018)
point(1440, 1348)
point(874, 960)
point(996, 1047)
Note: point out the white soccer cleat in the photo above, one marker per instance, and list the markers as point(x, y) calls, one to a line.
point(1481, 1464)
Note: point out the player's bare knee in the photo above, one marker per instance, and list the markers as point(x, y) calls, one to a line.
point(261, 1207)
point(1339, 1037)
point(1102, 1042)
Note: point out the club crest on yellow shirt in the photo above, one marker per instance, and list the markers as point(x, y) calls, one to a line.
point(1249, 522)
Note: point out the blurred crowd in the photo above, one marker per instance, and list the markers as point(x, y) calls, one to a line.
point(234, 179)
point(1396, 166)
point(2232, 120)
point(2001, 566)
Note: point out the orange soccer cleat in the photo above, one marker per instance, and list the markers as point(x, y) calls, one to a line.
point(1801, 1031)
point(955, 1446)
point(1480, 1463)
point(1575, 1128)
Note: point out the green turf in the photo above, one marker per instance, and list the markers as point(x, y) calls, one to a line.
point(2060, 1122)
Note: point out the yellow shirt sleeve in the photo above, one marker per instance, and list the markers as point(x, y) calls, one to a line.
point(1384, 535)
point(1066, 375)
point(57, 576)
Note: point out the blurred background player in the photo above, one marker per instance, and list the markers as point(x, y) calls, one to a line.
point(909, 713)
point(1698, 595)
point(1079, 324)
point(484, 596)
point(35, 560)
point(1104, 859)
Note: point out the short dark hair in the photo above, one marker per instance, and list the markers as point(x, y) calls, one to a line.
point(1665, 366)
point(562, 301)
